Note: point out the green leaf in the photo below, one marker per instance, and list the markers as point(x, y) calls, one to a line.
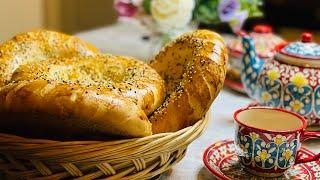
point(252, 6)
point(206, 11)
point(147, 6)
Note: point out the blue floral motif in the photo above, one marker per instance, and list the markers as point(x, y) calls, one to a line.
point(286, 152)
point(246, 149)
point(278, 153)
point(277, 84)
point(265, 154)
point(270, 94)
point(303, 49)
point(317, 101)
point(298, 99)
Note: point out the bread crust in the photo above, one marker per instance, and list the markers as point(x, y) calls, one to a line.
point(75, 92)
point(194, 68)
point(51, 83)
point(37, 46)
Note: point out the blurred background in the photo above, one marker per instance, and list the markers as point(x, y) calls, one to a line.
point(69, 16)
point(289, 17)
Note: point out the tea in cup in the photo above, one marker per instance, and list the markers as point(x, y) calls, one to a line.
point(268, 140)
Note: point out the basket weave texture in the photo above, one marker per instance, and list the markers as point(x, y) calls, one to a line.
point(139, 158)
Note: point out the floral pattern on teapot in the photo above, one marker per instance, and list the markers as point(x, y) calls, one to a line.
point(277, 84)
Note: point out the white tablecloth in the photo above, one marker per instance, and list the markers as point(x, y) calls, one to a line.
point(123, 38)
point(126, 39)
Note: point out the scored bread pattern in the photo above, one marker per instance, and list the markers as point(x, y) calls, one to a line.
point(193, 68)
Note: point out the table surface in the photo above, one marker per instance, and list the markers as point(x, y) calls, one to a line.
point(125, 38)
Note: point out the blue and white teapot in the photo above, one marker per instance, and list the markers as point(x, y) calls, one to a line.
point(290, 80)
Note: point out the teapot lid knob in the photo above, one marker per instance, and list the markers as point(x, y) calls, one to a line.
point(262, 29)
point(306, 37)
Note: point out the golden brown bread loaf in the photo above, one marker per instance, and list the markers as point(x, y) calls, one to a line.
point(53, 84)
point(194, 69)
point(56, 84)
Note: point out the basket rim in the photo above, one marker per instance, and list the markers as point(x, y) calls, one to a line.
point(131, 158)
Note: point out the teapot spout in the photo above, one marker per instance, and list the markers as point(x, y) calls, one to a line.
point(252, 66)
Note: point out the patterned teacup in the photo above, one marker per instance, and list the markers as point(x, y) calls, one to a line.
point(268, 140)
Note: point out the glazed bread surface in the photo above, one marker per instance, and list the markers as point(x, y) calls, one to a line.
point(37, 46)
point(194, 68)
point(53, 83)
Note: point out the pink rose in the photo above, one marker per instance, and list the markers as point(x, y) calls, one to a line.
point(126, 8)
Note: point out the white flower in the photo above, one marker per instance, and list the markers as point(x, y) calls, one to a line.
point(266, 96)
point(279, 139)
point(262, 155)
point(254, 136)
point(296, 105)
point(172, 14)
point(137, 2)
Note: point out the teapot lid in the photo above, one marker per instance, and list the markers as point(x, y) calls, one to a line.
point(301, 53)
point(264, 40)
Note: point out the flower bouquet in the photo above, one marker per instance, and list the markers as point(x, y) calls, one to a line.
point(170, 18)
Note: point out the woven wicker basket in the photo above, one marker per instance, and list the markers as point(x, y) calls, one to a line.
point(140, 158)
